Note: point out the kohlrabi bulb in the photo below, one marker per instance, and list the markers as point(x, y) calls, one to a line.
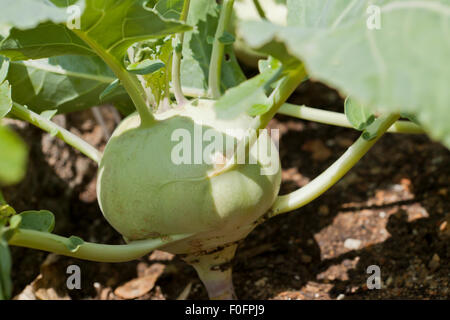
point(156, 180)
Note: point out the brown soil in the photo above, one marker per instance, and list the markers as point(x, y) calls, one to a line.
point(392, 210)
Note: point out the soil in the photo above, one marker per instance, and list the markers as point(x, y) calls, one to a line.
point(392, 211)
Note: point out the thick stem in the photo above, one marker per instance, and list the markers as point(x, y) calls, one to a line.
point(89, 251)
point(215, 65)
point(215, 271)
point(25, 114)
point(339, 119)
point(176, 62)
point(335, 172)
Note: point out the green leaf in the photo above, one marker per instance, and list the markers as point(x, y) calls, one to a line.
point(73, 243)
point(27, 14)
point(42, 220)
point(203, 14)
point(66, 83)
point(250, 96)
point(45, 40)
point(146, 66)
point(108, 28)
point(262, 37)
point(109, 90)
point(13, 155)
point(227, 38)
point(116, 25)
point(399, 67)
point(359, 116)
point(159, 50)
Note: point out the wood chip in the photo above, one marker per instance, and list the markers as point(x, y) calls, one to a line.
point(140, 286)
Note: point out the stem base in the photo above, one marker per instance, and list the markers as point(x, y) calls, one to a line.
point(215, 271)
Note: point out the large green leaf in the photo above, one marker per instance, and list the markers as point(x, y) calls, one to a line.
point(107, 27)
point(400, 67)
point(204, 15)
point(45, 40)
point(113, 26)
point(65, 83)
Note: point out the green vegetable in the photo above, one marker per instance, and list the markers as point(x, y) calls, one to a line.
point(144, 194)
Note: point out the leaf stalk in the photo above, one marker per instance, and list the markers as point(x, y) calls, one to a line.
point(339, 119)
point(334, 173)
point(215, 65)
point(177, 55)
point(89, 251)
point(49, 126)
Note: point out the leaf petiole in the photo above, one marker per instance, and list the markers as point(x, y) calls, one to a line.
point(75, 247)
point(177, 54)
point(339, 119)
point(336, 171)
point(49, 126)
point(215, 65)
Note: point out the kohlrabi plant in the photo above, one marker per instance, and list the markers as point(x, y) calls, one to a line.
point(170, 67)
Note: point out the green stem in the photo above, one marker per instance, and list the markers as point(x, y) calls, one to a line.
point(260, 9)
point(166, 99)
point(282, 92)
point(176, 62)
point(89, 251)
point(25, 114)
point(215, 65)
point(129, 81)
point(339, 119)
point(321, 116)
point(336, 171)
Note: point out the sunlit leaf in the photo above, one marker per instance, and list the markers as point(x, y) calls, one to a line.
point(389, 55)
